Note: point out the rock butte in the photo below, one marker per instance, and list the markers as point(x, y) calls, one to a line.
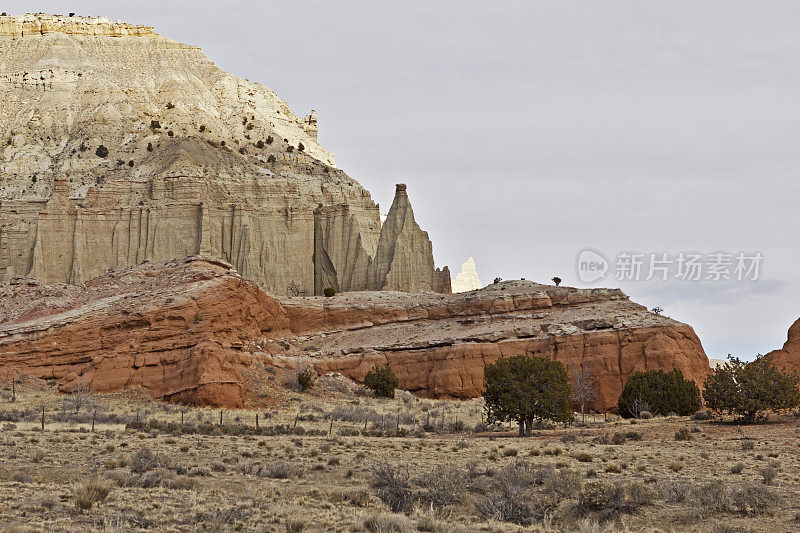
point(195, 331)
point(119, 146)
point(789, 356)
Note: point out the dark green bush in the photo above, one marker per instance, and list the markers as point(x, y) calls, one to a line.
point(660, 393)
point(329, 291)
point(101, 151)
point(526, 388)
point(271, 159)
point(746, 390)
point(382, 381)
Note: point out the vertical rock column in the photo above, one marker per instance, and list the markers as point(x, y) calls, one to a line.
point(404, 258)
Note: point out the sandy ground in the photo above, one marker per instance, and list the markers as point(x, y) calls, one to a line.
point(161, 474)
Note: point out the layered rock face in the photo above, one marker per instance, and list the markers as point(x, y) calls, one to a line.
point(118, 145)
point(789, 356)
point(175, 329)
point(187, 331)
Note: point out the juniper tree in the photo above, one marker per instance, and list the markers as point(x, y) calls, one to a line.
point(525, 388)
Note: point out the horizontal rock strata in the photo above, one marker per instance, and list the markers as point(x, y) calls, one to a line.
point(185, 331)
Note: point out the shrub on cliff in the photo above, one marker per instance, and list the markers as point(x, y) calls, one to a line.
point(301, 379)
point(525, 388)
point(660, 393)
point(747, 389)
point(101, 151)
point(329, 292)
point(382, 381)
point(306, 379)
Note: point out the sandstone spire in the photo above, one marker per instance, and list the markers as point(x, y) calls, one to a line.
point(404, 258)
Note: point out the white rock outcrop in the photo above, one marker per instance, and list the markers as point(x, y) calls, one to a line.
point(467, 279)
point(120, 146)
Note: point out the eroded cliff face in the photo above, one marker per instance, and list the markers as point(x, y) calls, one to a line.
point(789, 356)
point(187, 331)
point(118, 145)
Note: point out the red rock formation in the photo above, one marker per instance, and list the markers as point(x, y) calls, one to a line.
point(185, 331)
point(175, 329)
point(789, 356)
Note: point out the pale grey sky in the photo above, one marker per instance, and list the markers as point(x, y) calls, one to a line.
point(530, 130)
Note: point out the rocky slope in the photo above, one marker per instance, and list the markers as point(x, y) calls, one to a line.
point(789, 356)
point(188, 331)
point(119, 145)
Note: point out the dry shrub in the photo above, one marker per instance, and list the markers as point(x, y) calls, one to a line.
point(768, 473)
point(442, 487)
point(674, 490)
point(393, 487)
point(712, 497)
point(753, 500)
point(388, 523)
point(144, 459)
point(609, 500)
point(20, 477)
point(295, 526)
point(583, 457)
point(90, 492)
point(514, 498)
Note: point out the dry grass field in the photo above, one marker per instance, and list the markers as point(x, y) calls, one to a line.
point(420, 465)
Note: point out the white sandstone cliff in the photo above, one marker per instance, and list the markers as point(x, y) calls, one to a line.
point(119, 146)
point(467, 279)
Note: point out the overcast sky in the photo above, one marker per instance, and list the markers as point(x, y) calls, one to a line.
point(529, 130)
